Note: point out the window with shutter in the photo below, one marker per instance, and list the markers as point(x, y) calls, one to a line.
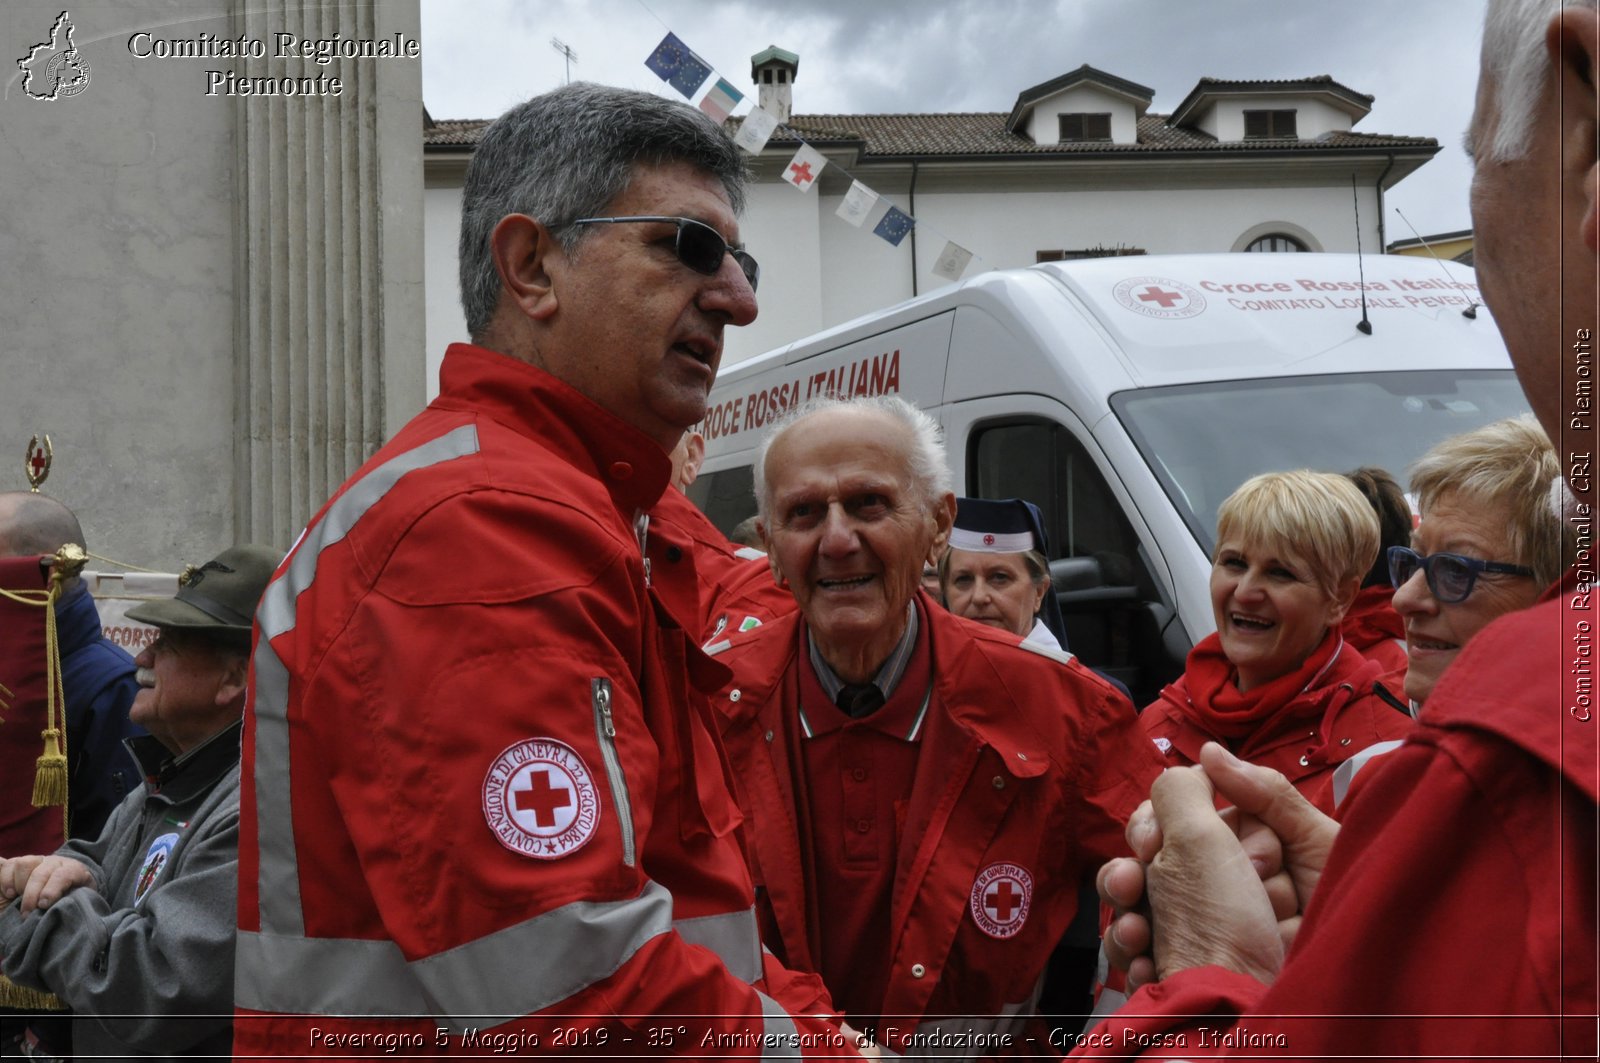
point(1262, 124)
point(1081, 125)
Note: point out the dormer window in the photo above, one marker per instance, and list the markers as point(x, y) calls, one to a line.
point(1269, 124)
point(1082, 125)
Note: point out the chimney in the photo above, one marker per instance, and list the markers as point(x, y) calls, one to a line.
point(773, 71)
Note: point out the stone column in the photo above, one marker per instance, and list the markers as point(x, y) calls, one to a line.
point(328, 319)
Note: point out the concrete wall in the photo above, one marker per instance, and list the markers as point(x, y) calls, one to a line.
point(162, 316)
point(117, 287)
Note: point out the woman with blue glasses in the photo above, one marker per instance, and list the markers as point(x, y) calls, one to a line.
point(1489, 541)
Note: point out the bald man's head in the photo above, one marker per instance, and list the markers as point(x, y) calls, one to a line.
point(35, 524)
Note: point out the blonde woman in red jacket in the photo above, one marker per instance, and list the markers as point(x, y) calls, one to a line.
point(1277, 683)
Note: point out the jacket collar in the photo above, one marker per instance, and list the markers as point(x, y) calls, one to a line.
point(961, 670)
point(178, 779)
point(533, 403)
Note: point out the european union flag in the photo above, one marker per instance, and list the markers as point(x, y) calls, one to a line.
point(678, 66)
point(894, 226)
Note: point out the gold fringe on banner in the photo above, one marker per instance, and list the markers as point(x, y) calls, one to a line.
point(22, 998)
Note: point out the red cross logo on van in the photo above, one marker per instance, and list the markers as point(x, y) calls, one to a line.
point(1160, 297)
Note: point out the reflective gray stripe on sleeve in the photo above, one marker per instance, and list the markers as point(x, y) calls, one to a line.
point(520, 970)
point(782, 1039)
point(1046, 651)
point(734, 937)
point(278, 881)
point(324, 976)
point(1345, 773)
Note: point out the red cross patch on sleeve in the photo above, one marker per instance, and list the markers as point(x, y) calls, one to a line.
point(540, 800)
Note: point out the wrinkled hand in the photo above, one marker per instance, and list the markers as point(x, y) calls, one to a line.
point(1121, 884)
point(41, 880)
point(1269, 803)
point(1282, 834)
point(1208, 904)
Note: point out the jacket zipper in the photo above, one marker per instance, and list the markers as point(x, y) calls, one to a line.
point(606, 732)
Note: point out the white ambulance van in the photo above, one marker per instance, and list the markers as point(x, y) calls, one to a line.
point(1129, 396)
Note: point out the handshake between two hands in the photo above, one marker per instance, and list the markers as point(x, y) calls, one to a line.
point(1208, 887)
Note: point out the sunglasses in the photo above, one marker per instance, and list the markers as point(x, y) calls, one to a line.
point(698, 245)
point(1450, 577)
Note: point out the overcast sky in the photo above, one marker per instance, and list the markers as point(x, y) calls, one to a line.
point(1417, 57)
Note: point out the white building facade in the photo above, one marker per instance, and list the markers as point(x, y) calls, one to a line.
point(1078, 167)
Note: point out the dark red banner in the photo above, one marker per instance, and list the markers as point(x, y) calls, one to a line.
point(23, 828)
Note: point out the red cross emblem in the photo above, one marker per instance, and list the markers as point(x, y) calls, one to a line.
point(802, 173)
point(1159, 297)
point(1002, 900)
point(36, 461)
point(988, 540)
point(1001, 897)
point(540, 800)
point(1166, 299)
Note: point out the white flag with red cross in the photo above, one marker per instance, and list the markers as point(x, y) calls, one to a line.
point(804, 169)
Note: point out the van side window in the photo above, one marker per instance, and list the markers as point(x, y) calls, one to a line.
point(726, 496)
point(1114, 614)
point(1042, 462)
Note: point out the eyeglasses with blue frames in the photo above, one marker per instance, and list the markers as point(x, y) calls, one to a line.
point(697, 245)
point(1450, 577)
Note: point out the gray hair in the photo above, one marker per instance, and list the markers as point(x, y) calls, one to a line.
point(1514, 55)
point(569, 154)
point(925, 462)
point(1507, 465)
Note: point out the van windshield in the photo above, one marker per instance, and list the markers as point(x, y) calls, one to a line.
point(1204, 440)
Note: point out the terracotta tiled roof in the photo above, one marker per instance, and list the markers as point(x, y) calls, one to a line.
point(454, 132)
point(1358, 104)
point(984, 134)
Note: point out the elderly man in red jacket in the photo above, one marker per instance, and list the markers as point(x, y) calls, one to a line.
point(1453, 914)
point(922, 794)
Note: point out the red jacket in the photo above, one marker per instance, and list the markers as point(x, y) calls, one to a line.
point(1457, 915)
point(677, 530)
point(1372, 626)
point(1330, 721)
point(745, 597)
point(481, 784)
point(1025, 761)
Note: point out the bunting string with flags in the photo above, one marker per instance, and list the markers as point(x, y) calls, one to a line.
point(679, 65)
point(755, 130)
point(857, 204)
point(894, 226)
point(676, 64)
point(952, 261)
point(721, 100)
point(804, 169)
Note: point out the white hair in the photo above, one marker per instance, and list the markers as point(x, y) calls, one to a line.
point(930, 476)
point(1514, 55)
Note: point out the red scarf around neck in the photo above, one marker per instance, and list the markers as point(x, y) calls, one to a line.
point(1221, 708)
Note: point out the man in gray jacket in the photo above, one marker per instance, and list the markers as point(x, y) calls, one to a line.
point(134, 930)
